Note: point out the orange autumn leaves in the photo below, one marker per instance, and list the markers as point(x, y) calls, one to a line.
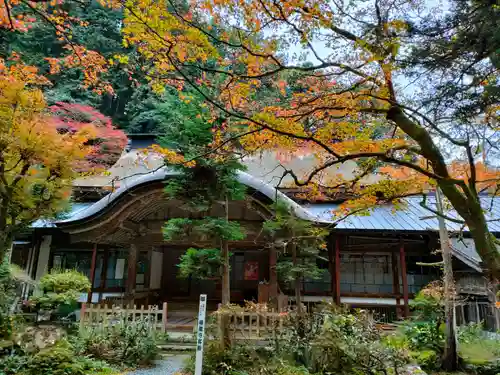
point(20, 16)
point(29, 134)
point(37, 161)
point(39, 157)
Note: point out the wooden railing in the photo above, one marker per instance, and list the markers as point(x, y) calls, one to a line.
point(98, 315)
point(249, 325)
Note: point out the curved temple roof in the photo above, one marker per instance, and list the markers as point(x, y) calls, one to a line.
point(162, 174)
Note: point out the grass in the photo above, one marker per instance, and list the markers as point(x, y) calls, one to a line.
point(480, 351)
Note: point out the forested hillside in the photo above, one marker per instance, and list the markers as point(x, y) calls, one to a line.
point(132, 106)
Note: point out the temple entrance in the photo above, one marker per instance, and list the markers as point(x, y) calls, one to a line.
point(249, 267)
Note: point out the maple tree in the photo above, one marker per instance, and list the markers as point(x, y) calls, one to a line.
point(36, 159)
point(353, 85)
point(132, 105)
point(20, 16)
point(107, 143)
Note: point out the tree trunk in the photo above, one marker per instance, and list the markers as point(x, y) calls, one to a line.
point(464, 200)
point(5, 245)
point(450, 357)
point(5, 238)
point(226, 287)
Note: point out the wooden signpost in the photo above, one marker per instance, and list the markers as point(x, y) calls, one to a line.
point(200, 334)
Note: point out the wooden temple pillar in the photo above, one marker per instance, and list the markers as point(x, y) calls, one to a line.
point(92, 273)
point(132, 269)
point(337, 270)
point(104, 272)
point(334, 263)
point(395, 282)
point(273, 276)
point(331, 265)
point(404, 277)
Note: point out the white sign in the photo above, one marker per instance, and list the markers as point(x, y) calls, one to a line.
point(119, 269)
point(200, 334)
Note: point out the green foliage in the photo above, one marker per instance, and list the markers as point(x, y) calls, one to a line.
point(209, 228)
point(129, 343)
point(286, 229)
point(7, 295)
point(59, 359)
point(331, 341)
point(11, 277)
point(478, 348)
point(427, 359)
point(350, 343)
point(244, 359)
point(189, 132)
point(176, 228)
point(212, 181)
point(186, 123)
point(307, 268)
point(56, 360)
point(12, 364)
point(201, 263)
point(221, 229)
point(426, 329)
point(470, 333)
point(63, 281)
point(425, 335)
point(428, 304)
point(61, 288)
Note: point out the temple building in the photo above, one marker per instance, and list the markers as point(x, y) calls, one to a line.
point(374, 261)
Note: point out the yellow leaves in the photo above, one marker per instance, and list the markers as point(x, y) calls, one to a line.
point(166, 39)
point(114, 4)
point(122, 59)
point(171, 157)
point(38, 162)
point(157, 87)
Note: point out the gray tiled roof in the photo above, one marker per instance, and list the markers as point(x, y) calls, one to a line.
point(410, 216)
point(465, 250)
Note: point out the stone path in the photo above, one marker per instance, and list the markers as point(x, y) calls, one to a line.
point(168, 366)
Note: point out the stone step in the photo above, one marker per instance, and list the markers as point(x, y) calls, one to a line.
point(176, 347)
point(185, 328)
point(179, 336)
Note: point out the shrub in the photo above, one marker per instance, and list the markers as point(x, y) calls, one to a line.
point(130, 343)
point(428, 304)
point(429, 360)
point(60, 359)
point(470, 333)
point(426, 329)
point(425, 335)
point(483, 367)
point(61, 289)
point(350, 343)
point(12, 364)
point(332, 341)
point(243, 359)
point(11, 278)
point(56, 360)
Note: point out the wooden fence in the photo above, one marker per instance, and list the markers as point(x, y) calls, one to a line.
point(96, 315)
point(247, 324)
